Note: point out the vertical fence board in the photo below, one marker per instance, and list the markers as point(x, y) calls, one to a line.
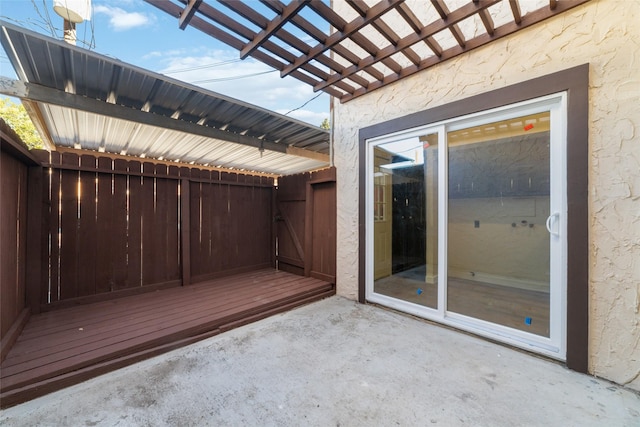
point(194, 231)
point(36, 237)
point(120, 219)
point(264, 248)
point(148, 228)
point(104, 229)
point(134, 237)
point(87, 229)
point(168, 193)
point(52, 293)
point(69, 229)
point(217, 212)
point(207, 233)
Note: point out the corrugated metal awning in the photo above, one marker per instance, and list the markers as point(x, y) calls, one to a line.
point(80, 99)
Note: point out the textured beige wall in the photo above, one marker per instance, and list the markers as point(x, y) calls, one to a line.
point(604, 33)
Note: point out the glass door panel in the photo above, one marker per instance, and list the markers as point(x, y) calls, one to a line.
point(498, 247)
point(405, 214)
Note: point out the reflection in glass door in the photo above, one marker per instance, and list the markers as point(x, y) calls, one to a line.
point(498, 250)
point(405, 215)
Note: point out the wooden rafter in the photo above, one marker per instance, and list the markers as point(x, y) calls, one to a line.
point(289, 11)
point(345, 32)
point(515, 9)
point(386, 31)
point(329, 62)
point(487, 21)
point(188, 13)
point(429, 30)
point(417, 26)
point(358, 38)
point(443, 11)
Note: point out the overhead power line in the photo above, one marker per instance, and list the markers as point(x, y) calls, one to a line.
point(201, 67)
point(225, 79)
point(296, 109)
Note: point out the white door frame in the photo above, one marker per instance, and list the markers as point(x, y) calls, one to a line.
point(553, 346)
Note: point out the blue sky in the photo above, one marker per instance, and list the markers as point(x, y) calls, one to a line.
point(138, 33)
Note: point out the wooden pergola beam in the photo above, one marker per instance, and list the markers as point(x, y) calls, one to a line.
point(413, 21)
point(350, 29)
point(289, 11)
point(487, 21)
point(443, 11)
point(386, 31)
point(188, 12)
point(456, 16)
point(359, 62)
point(515, 10)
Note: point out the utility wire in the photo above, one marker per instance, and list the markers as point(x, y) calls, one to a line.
point(225, 79)
point(200, 67)
point(295, 109)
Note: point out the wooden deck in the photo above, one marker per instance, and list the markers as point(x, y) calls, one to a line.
point(63, 347)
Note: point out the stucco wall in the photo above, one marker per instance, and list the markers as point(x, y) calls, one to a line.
point(604, 33)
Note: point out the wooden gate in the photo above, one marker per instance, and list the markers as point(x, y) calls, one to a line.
point(306, 224)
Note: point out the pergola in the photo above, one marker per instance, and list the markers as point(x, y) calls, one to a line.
point(362, 52)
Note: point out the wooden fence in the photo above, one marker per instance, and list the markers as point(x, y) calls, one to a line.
point(16, 169)
point(116, 226)
point(78, 228)
point(13, 197)
point(306, 218)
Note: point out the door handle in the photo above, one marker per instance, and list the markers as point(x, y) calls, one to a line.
point(553, 233)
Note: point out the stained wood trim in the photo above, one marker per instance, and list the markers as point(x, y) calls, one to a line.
point(13, 333)
point(576, 82)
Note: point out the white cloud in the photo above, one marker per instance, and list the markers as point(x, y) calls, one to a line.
point(220, 70)
point(121, 20)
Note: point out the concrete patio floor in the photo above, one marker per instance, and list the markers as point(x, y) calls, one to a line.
point(337, 363)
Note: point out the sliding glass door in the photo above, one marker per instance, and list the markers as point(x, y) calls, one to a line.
point(467, 223)
point(405, 219)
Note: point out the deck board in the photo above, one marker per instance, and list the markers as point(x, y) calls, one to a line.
point(86, 339)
